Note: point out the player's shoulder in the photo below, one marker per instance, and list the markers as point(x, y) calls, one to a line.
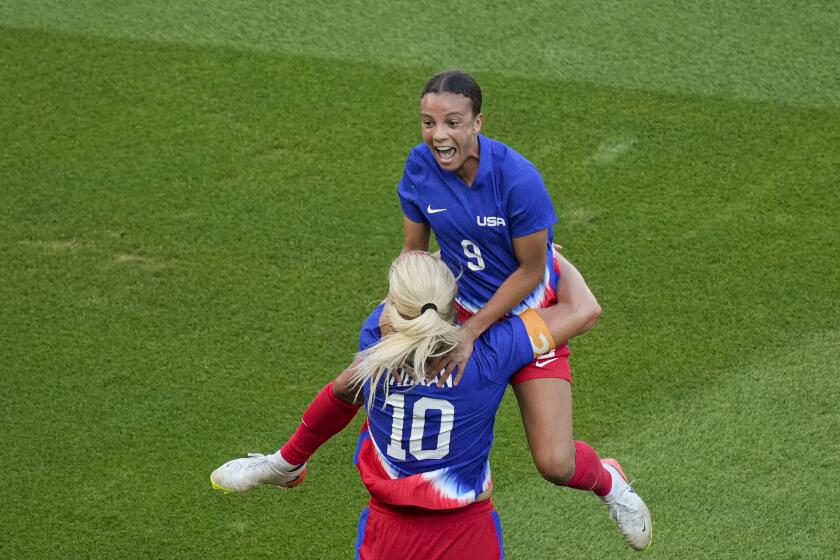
point(501, 350)
point(500, 331)
point(505, 156)
point(510, 166)
point(419, 164)
point(502, 335)
point(420, 155)
point(370, 332)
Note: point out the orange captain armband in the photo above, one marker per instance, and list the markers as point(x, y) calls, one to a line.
point(538, 333)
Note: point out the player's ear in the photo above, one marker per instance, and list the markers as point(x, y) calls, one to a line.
point(479, 120)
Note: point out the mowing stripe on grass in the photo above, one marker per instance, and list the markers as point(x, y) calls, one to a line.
point(741, 468)
point(192, 236)
point(781, 52)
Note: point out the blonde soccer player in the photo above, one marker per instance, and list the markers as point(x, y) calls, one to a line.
point(423, 454)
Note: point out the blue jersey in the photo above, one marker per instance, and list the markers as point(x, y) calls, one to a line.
point(475, 225)
point(428, 446)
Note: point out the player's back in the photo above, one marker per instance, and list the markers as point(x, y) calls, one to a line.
point(428, 446)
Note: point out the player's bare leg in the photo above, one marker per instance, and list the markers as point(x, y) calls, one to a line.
point(546, 409)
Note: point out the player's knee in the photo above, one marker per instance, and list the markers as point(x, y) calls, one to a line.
point(557, 466)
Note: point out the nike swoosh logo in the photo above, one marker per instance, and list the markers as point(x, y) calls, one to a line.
point(545, 363)
point(431, 210)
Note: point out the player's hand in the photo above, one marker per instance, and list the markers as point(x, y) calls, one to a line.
point(455, 361)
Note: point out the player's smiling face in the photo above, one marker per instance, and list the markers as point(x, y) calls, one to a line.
point(450, 129)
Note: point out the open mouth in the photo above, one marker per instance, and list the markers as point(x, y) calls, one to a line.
point(446, 153)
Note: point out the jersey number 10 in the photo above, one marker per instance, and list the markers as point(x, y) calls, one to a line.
point(416, 427)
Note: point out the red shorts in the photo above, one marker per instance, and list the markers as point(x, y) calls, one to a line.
point(554, 365)
point(473, 532)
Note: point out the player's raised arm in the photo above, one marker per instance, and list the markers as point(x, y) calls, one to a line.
point(576, 310)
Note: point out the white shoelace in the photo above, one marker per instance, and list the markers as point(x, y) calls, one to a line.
point(620, 510)
point(255, 464)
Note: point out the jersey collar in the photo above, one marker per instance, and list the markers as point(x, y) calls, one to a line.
point(484, 162)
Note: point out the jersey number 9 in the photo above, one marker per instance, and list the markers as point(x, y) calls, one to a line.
point(471, 251)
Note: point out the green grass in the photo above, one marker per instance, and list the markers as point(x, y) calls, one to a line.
point(198, 208)
point(757, 50)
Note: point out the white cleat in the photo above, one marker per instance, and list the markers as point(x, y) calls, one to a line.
point(240, 475)
point(628, 509)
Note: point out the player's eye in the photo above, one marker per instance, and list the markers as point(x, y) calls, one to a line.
point(454, 123)
point(427, 123)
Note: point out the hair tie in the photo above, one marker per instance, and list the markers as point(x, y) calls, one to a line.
point(428, 306)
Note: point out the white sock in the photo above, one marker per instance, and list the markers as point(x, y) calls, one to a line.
point(618, 485)
point(279, 463)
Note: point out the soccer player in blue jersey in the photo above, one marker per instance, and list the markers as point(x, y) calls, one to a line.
point(423, 455)
point(493, 219)
point(490, 213)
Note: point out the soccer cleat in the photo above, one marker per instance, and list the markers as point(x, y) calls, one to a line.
point(240, 475)
point(628, 509)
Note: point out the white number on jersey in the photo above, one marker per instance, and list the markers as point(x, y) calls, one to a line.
point(472, 251)
point(418, 424)
point(395, 449)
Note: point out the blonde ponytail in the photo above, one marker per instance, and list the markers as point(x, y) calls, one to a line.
point(421, 314)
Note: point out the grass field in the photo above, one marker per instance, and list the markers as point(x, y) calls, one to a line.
point(198, 207)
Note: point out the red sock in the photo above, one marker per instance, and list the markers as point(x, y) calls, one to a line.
point(325, 416)
point(590, 474)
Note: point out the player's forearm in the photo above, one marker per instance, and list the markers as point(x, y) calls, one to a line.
point(414, 247)
point(531, 254)
point(345, 389)
point(516, 288)
point(416, 236)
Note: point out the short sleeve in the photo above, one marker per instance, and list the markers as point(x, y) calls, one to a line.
point(504, 349)
point(529, 206)
point(408, 194)
point(370, 333)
